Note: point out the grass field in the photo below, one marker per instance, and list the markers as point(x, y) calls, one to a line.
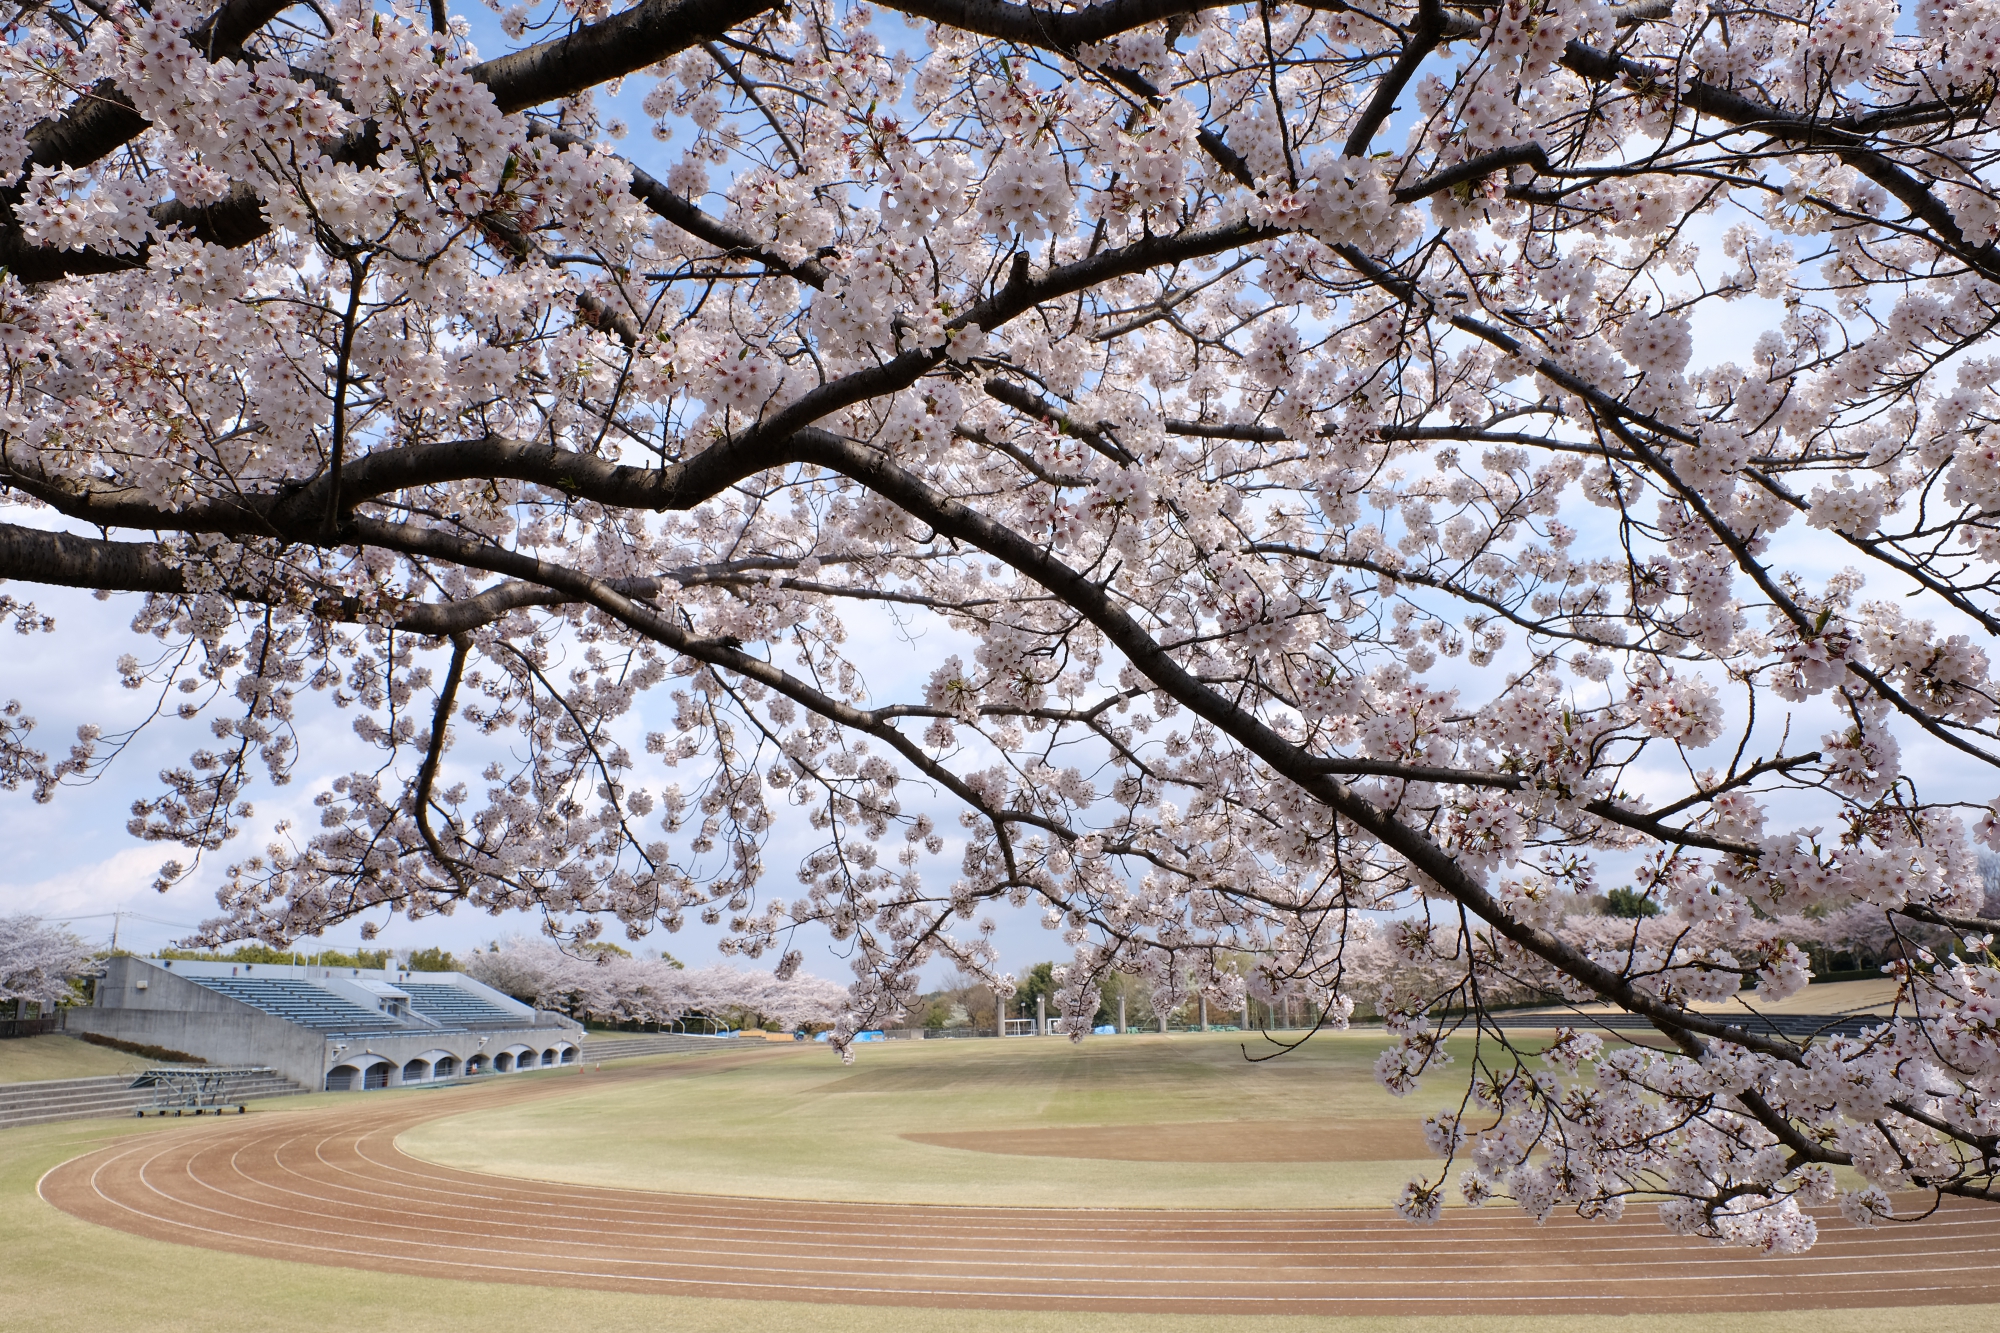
point(786, 1118)
point(797, 1124)
point(26, 1059)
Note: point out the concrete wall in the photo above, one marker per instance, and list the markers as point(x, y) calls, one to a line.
point(170, 1010)
point(398, 1050)
point(176, 1013)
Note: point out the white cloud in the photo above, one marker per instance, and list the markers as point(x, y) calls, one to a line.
point(98, 886)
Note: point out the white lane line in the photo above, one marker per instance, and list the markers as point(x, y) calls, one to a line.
point(1874, 1275)
point(145, 1174)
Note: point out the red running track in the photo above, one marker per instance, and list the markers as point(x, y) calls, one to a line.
point(331, 1187)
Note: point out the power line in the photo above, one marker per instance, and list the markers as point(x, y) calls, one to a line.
point(121, 915)
point(108, 916)
point(162, 921)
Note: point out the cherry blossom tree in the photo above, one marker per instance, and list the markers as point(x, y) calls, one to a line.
point(619, 988)
point(1376, 468)
point(793, 1001)
point(38, 961)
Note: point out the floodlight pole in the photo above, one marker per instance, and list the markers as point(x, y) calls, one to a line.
point(1041, 1016)
point(1121, 1015)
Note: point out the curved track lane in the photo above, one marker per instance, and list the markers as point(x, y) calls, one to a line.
point(331, 1187)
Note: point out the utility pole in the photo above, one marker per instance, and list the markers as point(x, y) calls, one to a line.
point(1204, 1013)
point(116, 917)
point(1121, 1015)
point(1041, 1015)
point(999, 1017)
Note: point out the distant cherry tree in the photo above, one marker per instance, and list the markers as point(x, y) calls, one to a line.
point(1369, 470)
point(38, 961)
point(618, 988)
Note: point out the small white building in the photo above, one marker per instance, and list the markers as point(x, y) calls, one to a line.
point(336, 1028)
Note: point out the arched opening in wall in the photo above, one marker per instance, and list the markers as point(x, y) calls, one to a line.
point(377, 1076)
point(416, 1071)
point(475, 1064)
point(569, 1055)
point(446, 1067)
point(502, 1063)
point(548, 1057)
point(340, 1078)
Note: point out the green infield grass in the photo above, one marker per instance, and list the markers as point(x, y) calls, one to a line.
point(799, 1124)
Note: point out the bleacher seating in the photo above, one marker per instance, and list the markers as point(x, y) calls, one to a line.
point(303, 1003)
point(452, 1005)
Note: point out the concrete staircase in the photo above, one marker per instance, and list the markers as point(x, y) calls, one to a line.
point(597, 1048)
point(114, 1095)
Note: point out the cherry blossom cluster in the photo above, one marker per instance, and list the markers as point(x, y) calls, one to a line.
point(617, 988)
point(38, 961)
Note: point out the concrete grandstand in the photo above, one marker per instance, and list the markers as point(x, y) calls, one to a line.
point(337, 1028)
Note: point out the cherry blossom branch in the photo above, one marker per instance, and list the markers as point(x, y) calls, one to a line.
point(1423, 38)
point(461, 646)
point(953, 518)
point(1850, 145)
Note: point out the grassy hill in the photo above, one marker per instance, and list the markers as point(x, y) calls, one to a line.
point(28, 1059)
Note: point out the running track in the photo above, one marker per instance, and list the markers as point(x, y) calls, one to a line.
point(331, 1187)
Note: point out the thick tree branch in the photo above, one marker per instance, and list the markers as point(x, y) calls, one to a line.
point(1423, 39)
point(60, 560)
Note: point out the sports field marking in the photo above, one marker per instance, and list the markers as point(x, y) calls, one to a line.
point(330, 1187)
point(338, 1146)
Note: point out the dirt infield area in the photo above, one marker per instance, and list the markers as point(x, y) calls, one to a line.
point(331, 1187)
point(1218, 1141)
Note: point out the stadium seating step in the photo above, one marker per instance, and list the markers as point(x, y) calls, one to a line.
point(113, 1095)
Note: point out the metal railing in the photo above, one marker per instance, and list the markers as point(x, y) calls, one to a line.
point(30, 1027)
point(198, 1088)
